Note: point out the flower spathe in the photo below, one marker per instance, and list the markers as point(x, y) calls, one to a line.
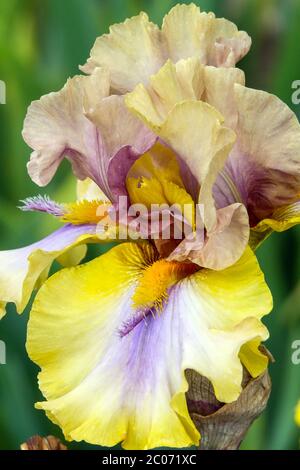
point(162, 117)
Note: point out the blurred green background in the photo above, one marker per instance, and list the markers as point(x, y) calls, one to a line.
point(41, 44)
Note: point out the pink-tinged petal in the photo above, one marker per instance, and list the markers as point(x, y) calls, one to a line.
point(219, 91)
point(195, 131)
point(221, 247)
point(263, 170)
point(136, 49)
point(58, 126)
point(124, 138)
point(192, 33)
point(109, 376)
point(21, 269)
point(55, 127)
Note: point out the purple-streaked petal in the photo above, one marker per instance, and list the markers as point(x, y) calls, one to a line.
point(263, 169)
point(60, 125)
point(124, 138)
point(21, 269)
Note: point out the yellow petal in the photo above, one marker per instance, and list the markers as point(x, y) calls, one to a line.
point(282, 219)
point(90, 368)
point(195, 132)
point(109, 376)
point(90, 191)
point(253, 359)
point(159, 163)
point(171, 85)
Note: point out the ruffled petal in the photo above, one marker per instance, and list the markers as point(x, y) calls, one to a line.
point(21, 269)
point(109, 375)
point(55, 126)
point(219, 91)
point(172, 84)
point(192, 33)
point(58, 126)
point(282, 219)
point(132, 51)
point(263, 170)
point(223, 246)
point(186, 80)
point(194, 130)
point(136, 49)
point(124, 138)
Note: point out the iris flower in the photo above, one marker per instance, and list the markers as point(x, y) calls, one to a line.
point(162, 117)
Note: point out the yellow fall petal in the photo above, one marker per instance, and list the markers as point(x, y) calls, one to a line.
point(253, 359)
point(124, 374)
point(282, 219)
point(70, 374)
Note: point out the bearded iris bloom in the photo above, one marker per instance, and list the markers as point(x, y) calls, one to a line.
point(162, 117)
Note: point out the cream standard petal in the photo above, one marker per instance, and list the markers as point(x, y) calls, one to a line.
point(186, 80)
point(132, 51)
point(192, 33)
point(136, 49)
point(195, 132)
point(109, 375)
point(188, 127)
point(21, 269)
point(171, 85)
point(268, 130)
